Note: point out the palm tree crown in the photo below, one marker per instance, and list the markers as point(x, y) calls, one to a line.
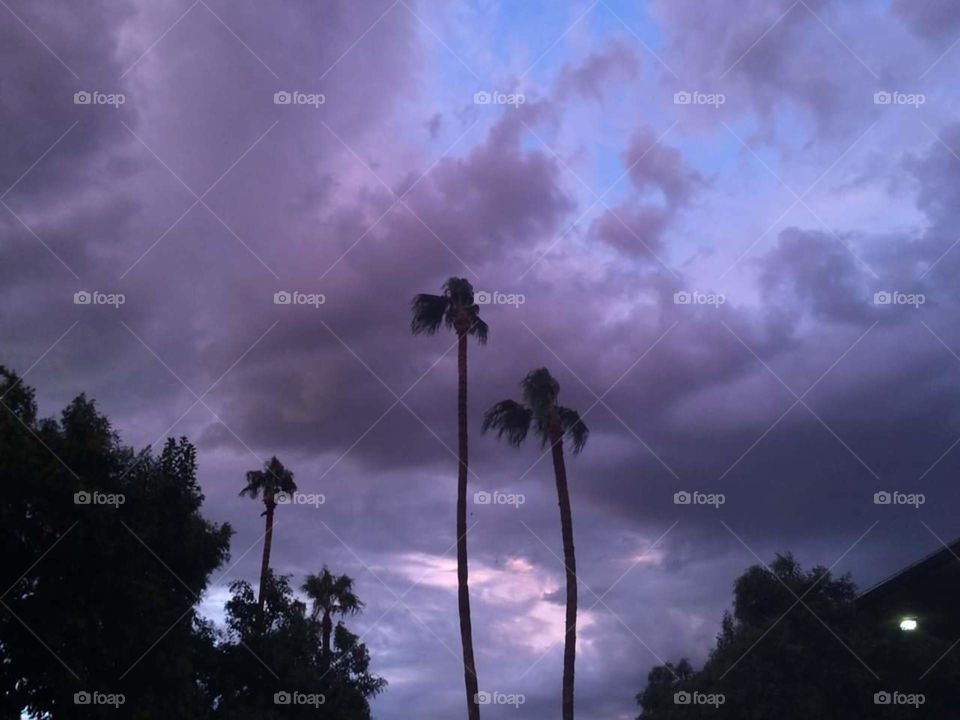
point(273, 480)
point(332, 594)
point(454, 309)
point(513, 420)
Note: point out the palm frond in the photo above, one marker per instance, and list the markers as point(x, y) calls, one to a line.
point(574, 428)
point(540, 390)
point(254, 484)
point(459, 291)
point(272, 480)
point(510, 418)
point(429, 313)
point(478, 328)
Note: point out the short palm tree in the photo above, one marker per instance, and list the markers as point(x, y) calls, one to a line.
point(456, 310)
point(552, 422)
point(331, 595)
point(268, 484)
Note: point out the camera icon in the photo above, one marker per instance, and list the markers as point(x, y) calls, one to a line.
point(682, 498)
point(682, 698)
point(282, 298)
point(481, 497)
point(82, 297)
point(882, 98)
point(482, 297)
point(82, 98)
point(481, 698)
point(82, 498)
point(282, 698)
point(482, 97)
point(82, 698)
point(882, 498)
point(282, 498)
point(882, 698)
point(282, 97)
point(682, 98)
point(682, 298)
point(882, 298)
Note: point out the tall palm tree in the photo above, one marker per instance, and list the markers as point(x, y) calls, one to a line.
point(331, 595)
point(456, 310)
point(552, 422)
point(267, 484)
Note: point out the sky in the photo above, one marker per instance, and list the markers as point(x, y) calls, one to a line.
point(727, 227)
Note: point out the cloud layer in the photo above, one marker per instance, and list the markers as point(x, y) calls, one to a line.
point(750, 297)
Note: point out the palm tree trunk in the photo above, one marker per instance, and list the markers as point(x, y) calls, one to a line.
point(265, 563)
point(570, 561)
point(327, 629)
point(463, 589)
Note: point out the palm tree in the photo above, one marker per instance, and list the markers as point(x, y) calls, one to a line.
point(552, 422)
point(455, 309)
point(273, 481)
point(331, 595)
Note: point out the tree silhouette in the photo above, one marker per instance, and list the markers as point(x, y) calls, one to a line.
point(331, 595)
point(777, 657)
point(268, 484)
point(266, 655)
point(104, 549)
point(552, 422)
point(455, 309)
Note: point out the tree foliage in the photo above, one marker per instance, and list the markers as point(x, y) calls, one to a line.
point(796, 647)
point(106, 555)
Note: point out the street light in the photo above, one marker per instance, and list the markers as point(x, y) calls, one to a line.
point(908, 624)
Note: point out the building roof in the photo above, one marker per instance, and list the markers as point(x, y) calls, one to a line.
point(929, 589)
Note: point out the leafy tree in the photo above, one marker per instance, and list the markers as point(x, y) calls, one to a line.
point(105, 555)
point(268, 484)
point(456, 310)
point(552, 422)
point(275, 666)
point(331, 595)
point(819, 658)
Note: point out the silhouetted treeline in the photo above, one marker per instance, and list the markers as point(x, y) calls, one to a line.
point(105, 555)
point(797, 646)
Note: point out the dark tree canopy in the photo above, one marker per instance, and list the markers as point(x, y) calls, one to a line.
point(817, 658)
point(105, 554)
point(105, 551)
point(254, 671)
